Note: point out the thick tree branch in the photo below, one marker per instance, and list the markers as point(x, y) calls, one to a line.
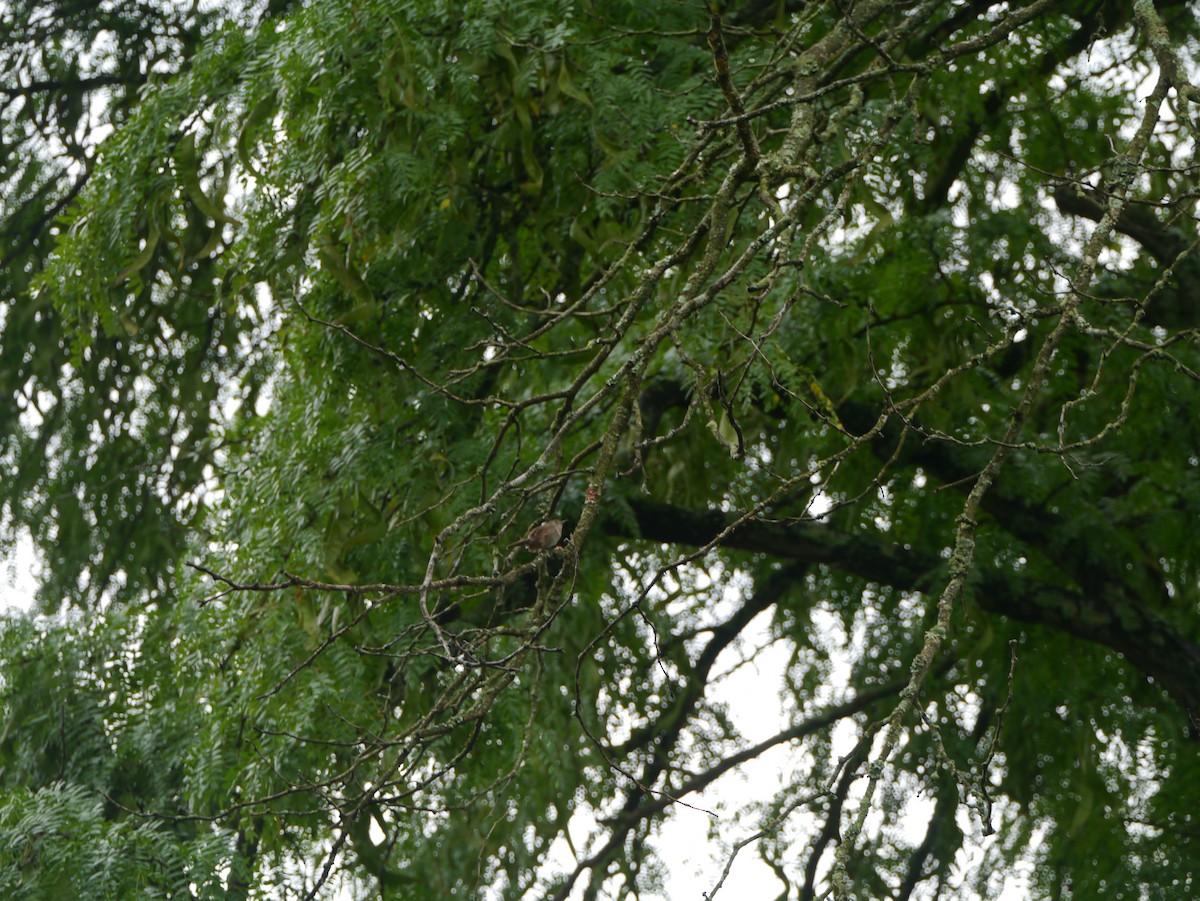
point(1105, 616)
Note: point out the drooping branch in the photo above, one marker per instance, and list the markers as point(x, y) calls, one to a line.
point(1106, 616)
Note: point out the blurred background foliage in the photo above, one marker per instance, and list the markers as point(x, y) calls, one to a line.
point(335, 300)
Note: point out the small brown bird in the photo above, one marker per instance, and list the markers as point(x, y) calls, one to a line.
point(543, 537)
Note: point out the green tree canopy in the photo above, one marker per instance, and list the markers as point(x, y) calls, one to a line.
point(867, 330)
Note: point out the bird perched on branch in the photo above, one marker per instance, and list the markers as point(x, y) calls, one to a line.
point(542, 537)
